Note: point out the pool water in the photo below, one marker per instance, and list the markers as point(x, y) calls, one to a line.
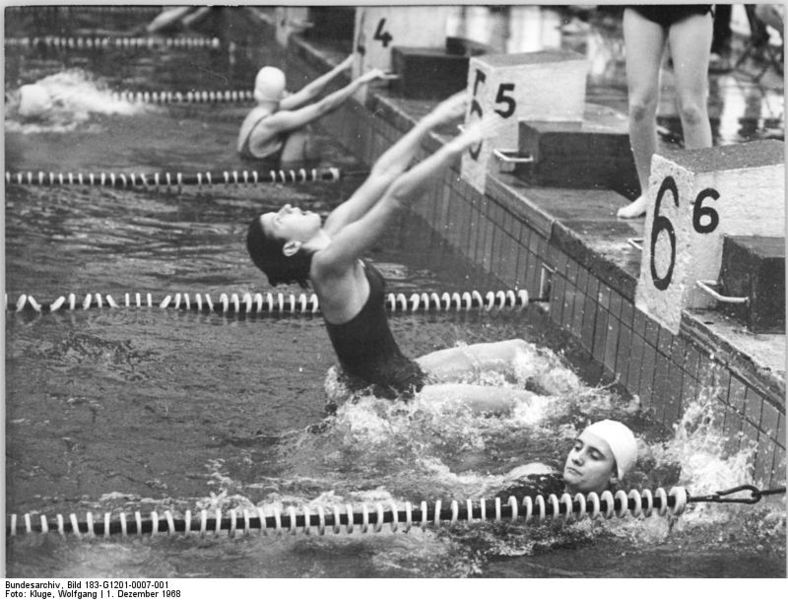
point(156, 409)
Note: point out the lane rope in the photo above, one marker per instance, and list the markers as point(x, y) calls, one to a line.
point(169, 180)
point(188, 97)
point(291, 520)
point(81, 42)
point(274, 303)
point(528, 510)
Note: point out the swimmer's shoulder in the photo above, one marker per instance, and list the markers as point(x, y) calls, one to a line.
point(532, 479)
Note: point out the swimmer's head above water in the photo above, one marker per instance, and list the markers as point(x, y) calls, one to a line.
point(31, 101)
point(602, 455)
point(269, 85)
point(281, 243)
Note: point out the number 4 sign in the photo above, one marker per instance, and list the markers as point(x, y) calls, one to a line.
point(698, 197)
point(379, 28)
point(539, 86)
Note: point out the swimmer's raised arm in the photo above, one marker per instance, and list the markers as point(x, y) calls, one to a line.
point(392, 164)
point(288, 120)
point(356, 238)
point(313, 89)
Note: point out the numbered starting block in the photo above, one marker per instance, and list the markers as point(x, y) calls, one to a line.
point(696, 197)
point(548, 85)
point(752, 282)
point(590, 154)
point(378, 29)
point(434, 73)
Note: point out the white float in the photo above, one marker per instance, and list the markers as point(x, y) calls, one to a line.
point(695, 198)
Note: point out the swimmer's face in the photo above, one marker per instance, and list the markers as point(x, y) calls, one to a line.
point(291, 224)
point(590, 465)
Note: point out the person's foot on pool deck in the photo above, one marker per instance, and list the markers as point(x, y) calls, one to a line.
point(635, 209)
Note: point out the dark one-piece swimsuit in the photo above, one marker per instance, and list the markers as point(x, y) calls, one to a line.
point(367, 352)
point(271, 161)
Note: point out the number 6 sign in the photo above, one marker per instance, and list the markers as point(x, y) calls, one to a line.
point(540, 86)
point(697, 197)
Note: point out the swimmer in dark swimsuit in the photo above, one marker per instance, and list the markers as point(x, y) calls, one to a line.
point(648, 30)
point(295, 246)
point(275, 132)
point(600, 458)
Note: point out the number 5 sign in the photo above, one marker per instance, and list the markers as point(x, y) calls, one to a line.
point(379, 28)
point(540, 86)
point(696, 198)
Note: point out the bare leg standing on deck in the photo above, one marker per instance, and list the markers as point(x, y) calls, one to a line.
point(645, 41)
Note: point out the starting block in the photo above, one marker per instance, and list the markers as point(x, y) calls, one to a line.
point(752, 282)
point(379, 28)
point(590, 154)
point(696, 197)
point(548, 85)
point(428, 72)
point(434, 73)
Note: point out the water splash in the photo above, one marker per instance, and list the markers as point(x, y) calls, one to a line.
point(64, 101)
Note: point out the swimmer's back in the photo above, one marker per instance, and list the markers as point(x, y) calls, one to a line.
point(248, 147)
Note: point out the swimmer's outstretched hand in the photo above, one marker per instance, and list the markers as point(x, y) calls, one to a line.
point(371, 75)
point(473, 133)
point(448, 110)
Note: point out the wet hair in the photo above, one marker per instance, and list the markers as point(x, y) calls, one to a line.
point(266, 252)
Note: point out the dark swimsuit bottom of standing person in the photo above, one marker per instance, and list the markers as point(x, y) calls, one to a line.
point(666, 15)
point(367, 351)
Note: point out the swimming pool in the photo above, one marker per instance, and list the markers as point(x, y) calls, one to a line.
point(146, 409)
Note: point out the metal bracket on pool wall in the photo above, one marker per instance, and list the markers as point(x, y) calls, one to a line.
point(545, 282)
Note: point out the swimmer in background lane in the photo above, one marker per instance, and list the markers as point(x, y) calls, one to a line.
point(31, 102)
point(276, 131)
point(648, 30)
point(599, 459)
point(292, 246)
point(64, 99)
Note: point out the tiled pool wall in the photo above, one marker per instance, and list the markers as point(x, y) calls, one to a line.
point(591, 299)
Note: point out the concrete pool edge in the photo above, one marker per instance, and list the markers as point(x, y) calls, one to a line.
point(514, 231)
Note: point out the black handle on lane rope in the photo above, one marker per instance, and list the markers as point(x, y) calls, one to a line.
point(721, 496)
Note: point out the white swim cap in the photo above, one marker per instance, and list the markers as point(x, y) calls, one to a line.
point(269, 84)
point(621, 441)
point(34, 100)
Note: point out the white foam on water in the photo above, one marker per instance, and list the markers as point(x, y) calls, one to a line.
point(64, 101)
